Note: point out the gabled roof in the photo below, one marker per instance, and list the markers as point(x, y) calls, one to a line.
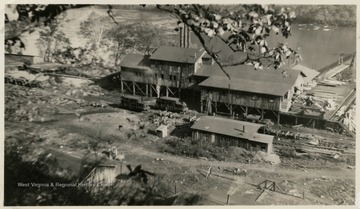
point(177, 54)
point(162, 128)
point(309, 73)
point(233, 128)
point(248, 72)
point(138, 61)
point(246, 85)
point(80, 166)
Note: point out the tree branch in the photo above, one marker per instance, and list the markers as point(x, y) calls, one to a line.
point(111, 14)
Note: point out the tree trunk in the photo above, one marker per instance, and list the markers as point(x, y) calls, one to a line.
point(117, 54)
point(97, 46)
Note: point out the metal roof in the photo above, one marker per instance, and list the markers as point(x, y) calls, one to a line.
point(177, 54)
point(246, 85)
point(138, 61)
point(233, 128)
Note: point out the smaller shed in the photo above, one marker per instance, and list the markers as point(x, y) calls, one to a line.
point(162, 131)
point(229, 132)
point(309, 73)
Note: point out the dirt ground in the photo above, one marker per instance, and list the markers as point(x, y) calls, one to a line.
point(73, 129)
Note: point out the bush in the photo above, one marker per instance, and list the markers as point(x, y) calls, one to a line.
point(197, 148)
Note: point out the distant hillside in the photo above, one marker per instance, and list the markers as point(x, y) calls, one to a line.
point(332, 15)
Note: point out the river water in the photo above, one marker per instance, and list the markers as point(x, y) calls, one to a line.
point(318, 47)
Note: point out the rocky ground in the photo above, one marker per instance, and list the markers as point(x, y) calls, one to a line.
point(75, 118)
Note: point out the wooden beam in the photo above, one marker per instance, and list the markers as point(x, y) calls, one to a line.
point(258, 110)
point(242, 108)
point(127, 86)
point(172, 92)
point(133, 88)
point(140, 89)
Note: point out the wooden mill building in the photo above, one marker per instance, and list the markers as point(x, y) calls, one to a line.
point(224, 132)
point(171, 70)
point(164, 73)
point(264, 93)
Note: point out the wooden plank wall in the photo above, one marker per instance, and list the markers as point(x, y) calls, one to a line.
point(173, 69)
point(227, 141)
point(243, 98)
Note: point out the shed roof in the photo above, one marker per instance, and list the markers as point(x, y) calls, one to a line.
point(138, 61)
point(233, 128)
point(246, 85)
point(162, 128)
point(177, 54)
point(248, 72)
point(77, 164)
point(310, 73)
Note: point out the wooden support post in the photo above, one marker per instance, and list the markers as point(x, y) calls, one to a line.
point(133, 88)
point(313, 125)
point(296, 120)
point(150, 90)
point(201, 106)
point(228, 199)
point(278, 118)
point(208, 173)
point(167, 91)
point(262, 114)
point(146, 90)
point(139, 88)
point(246, 110)
point(122, 86)
point(216, 108)
point(231, 111)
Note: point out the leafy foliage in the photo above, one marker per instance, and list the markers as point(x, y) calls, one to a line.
point(22, 18)
point(53, 40)
point(335, 15)
point(243, 30)
point(95, 30)
point(140, 37)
